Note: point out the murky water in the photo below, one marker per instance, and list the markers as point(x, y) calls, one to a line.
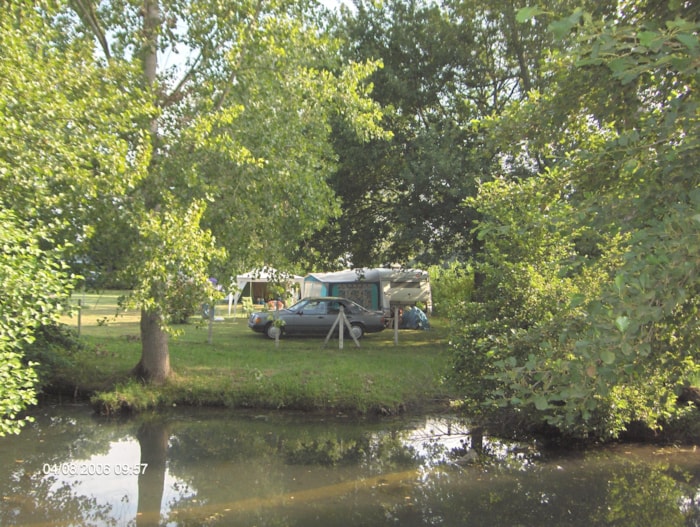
point(215, 467)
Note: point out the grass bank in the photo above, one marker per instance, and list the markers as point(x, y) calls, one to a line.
point(243, 369)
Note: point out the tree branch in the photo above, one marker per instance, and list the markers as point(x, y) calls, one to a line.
point(86, 12)
point(175, 93)
point(227, 90)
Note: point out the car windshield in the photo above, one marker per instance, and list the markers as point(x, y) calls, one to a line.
point(352, 307)
point(298, 306)
point(357, 308)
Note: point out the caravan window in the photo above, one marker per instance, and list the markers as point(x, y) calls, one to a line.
point(405, 285)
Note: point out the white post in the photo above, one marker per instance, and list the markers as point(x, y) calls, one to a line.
point(396, 325)
point(347, 325)
point(341, 328)
point(211, 321)
point(279, 328)
point(342, 322)
point(335, 323)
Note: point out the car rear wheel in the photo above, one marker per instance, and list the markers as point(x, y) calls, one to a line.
point(357, 331)
point(272, 331)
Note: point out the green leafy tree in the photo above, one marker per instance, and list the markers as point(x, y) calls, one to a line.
point(64, 155)
point(240, 150)
point(450, 287)
point(72, 143)
point(171, 167)
point(586, 311)
point(446, 65)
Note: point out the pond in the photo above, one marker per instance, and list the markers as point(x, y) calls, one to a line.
point(194, 467)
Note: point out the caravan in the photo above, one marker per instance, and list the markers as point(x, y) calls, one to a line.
point(377, 288)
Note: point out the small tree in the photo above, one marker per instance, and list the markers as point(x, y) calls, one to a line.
point(69, 153)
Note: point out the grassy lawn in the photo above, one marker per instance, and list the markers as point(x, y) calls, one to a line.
point(241, 368)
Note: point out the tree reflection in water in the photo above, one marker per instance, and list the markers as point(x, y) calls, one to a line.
point(153, 436)
point(220, 468)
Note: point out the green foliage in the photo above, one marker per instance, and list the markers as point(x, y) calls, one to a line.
point(586, 312)
point(55, 351)
point(445, 65)
point(70, 131)
point(35, 286)
point(523, 287)
point(251, 137)
point(188, 298)
point(169, 267)
point(451, 287)
point(70, 149)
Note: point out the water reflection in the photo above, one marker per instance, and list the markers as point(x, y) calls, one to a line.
point(206, 467)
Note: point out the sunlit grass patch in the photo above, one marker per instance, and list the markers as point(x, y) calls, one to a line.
point(240, 368)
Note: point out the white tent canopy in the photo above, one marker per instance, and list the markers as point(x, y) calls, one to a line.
point(262, 275)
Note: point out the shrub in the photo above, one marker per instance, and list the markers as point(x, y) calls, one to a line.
point(451, 286)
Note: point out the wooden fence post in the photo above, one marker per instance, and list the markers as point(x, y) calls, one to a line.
point(396, 325)
point(342, 322)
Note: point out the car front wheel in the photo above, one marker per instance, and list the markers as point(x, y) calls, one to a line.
point(273, 331)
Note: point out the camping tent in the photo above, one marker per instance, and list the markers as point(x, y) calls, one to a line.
point(254, 284)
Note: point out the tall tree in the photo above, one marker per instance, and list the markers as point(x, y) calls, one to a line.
point(240, 141)
point(446, 65)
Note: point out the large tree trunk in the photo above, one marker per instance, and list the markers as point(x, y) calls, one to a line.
point(154, 365)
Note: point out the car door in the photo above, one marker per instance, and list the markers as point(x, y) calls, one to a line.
point(355, 313)
point(312, 318)
point(332, 314)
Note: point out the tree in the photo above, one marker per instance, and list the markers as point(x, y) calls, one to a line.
point(446, 65)
point(71, 137)
point(62, 158)
point(240, 147)
point(586, 317)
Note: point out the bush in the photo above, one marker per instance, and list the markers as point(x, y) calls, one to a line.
point(53, 352)
point(451, 286)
